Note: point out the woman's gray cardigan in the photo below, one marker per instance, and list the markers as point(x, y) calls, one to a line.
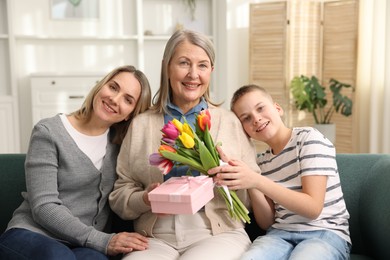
point(66, 196)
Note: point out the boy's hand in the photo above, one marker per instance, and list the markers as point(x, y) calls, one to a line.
point(236, 175)
point(222, 155)
point(217, 169)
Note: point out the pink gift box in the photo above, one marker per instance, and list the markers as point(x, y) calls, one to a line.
point(182, 195)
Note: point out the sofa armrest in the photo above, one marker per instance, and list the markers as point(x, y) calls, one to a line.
point(375, 209)
point(12, 182)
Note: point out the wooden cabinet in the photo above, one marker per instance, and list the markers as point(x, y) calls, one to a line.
point(53, 94)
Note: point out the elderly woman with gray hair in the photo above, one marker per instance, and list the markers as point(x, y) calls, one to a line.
point(187, 66)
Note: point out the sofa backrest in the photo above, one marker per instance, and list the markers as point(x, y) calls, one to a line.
point(365, 180)
point(12, 183)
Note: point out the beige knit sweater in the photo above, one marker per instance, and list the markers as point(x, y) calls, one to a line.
point(135, 173)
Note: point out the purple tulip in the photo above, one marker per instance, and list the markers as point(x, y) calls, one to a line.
point(155, 159)
point(163, 164)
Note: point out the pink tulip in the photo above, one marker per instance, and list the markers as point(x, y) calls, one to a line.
point(165, 166)
point(170, 131)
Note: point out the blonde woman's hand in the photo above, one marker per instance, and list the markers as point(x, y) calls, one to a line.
point(126, 242)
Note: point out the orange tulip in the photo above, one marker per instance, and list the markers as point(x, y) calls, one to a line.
point(168, 148)
point(204, 119)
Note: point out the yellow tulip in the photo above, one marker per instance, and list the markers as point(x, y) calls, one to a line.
point(187, 129)
point(187, 140)
point(178, 124)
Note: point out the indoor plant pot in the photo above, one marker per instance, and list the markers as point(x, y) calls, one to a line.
point(328, 130)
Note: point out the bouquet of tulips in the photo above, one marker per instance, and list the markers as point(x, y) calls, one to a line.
point(182, 145)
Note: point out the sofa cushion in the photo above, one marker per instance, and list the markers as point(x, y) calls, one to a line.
point(375, 210)
point(365, 182)
point(352, 179)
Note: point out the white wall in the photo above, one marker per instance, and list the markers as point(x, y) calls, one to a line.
point(35, 55)
point(238, 44)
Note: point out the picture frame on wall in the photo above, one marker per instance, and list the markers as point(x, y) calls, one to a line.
point(74, 9)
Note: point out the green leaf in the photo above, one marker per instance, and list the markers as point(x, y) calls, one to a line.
point(206, 158)
point(210, 145)
point(310, 95)
point(75, 2)
point(342, 104)
point(189, 153)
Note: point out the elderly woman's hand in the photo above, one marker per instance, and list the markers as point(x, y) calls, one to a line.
point(149, 189)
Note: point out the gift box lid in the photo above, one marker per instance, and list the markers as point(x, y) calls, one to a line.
point(181, 189)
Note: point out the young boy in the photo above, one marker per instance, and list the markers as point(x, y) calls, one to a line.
point(298, 197)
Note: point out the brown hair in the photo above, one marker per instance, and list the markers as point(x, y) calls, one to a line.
point(120, 128)
point(161, 98)
point(246, 89)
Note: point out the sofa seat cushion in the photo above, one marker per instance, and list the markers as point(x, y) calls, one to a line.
point(360, 257)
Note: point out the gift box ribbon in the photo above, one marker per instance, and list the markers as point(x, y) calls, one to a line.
point(187, 182)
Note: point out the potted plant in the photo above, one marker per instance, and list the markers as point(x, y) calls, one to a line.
point(310, 95)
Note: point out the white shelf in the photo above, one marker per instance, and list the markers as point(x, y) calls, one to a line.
point(162, 37)
point(75, 38)
point(75, 74)
point(9, 115)
point(38, 45)
point(6, 99)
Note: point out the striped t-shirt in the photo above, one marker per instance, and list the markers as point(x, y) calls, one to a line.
point(308, 152)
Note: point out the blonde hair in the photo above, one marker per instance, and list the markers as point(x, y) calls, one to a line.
point(144, 101)
point(162, 96)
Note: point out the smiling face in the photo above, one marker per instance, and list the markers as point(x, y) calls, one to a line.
point(117, 98)
point(259, 115)
point(189, 74)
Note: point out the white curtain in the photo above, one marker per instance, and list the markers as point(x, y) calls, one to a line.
point(373, 77)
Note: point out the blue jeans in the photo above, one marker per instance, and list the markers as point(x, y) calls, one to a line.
point(298, 245)
point(21, 244)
